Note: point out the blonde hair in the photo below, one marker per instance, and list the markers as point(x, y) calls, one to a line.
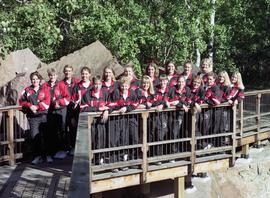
point(208, 62)
point(239, 80)
point(124, 80)
point(130, 66)
point(199, 79)
point(110, 68)
point(148, 79)
point(173, 63)
point(227, 81)
point(51, 71)
point(67, 67)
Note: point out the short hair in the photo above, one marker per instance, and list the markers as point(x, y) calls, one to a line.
point(199, 79)
point(163, 77)
point(35, 74)
point(51, 71)
point(124, 80)
point(96, 79)
point(212, 74)
point(188, 62)
point(67, 66)
point(86, 69)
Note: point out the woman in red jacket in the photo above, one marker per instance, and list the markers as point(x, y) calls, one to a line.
point(35, 102)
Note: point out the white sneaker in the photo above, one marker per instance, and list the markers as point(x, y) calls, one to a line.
point(116, 170)
point(49, 159)
point(37, 160)
point(172, 161)
point(101, 161)
point(60, 155)
point(158, 163)
point(125, 157)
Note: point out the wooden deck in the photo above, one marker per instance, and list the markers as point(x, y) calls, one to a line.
point(26, 180)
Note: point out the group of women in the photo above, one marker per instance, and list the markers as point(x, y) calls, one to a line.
point(53, 107)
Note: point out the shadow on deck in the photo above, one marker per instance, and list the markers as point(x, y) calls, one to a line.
point(44, 180)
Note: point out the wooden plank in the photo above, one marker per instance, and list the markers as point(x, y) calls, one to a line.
point(253, 138)
point(211, 166)
point(234, 136)
point(169, 173)
point(80, 178)
point(115, 183)
point(179, 187)
point(245, 151)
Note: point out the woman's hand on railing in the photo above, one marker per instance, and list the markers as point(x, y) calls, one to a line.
point(185, 108)
point(159, 108)
point(103, 108)
point(141, 106)
point(104, 116)
point(197, 108)
point(174, 103)
point(123, 110)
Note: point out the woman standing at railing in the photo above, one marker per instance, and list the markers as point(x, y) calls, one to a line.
point(35, 103)
point(152, 71)
point(129, 73)
point(187, 73)
point(124, 100)
point(237, 90)
point(178, 97)
point(171, 73)
point(57, 112)
point(108, 80)
point(96, 100)
point(205, 67)
point(159, 120)
point(224, 84)
point(72, 115)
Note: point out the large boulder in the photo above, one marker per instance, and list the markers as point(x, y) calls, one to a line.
point(96, 56)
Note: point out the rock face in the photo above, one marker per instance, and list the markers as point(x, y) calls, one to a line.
point(17, 66)
point(96, 56)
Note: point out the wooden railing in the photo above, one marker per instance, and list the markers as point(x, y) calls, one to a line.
point(196, 131)
point(13, 124)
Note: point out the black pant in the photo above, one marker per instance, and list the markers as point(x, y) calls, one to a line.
point(38, 133)
point(57, 126)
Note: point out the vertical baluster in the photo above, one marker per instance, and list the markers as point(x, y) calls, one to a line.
point(145, 145)
point(10, 137)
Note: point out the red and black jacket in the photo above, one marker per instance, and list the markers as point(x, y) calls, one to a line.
point(204, 77)
point(41, 99)
point(80, 90)
point(59, 93)
point(181, 96)
point(224, 91)
point(189, 78)
point(156, 82)
point(173, 80)
point(161, 98)
point(212, 95)
point(196, 96)
point(114, 85)
point(70, 86)
point(117, 101)
point(236, 93)
point(91, 103)
point(134, 84)
point(143, 97)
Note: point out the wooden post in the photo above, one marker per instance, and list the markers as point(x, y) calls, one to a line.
point(193, 139)
point(97, 195)
point(241, 110)
point(233, 136)
point(179, 187)
point(89, 124)
point(145, 189)
point(10, 137)
point(258, 120)
point(245, 151)
point(145, 146)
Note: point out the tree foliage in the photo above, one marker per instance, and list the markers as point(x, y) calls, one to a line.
point(141, 30)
